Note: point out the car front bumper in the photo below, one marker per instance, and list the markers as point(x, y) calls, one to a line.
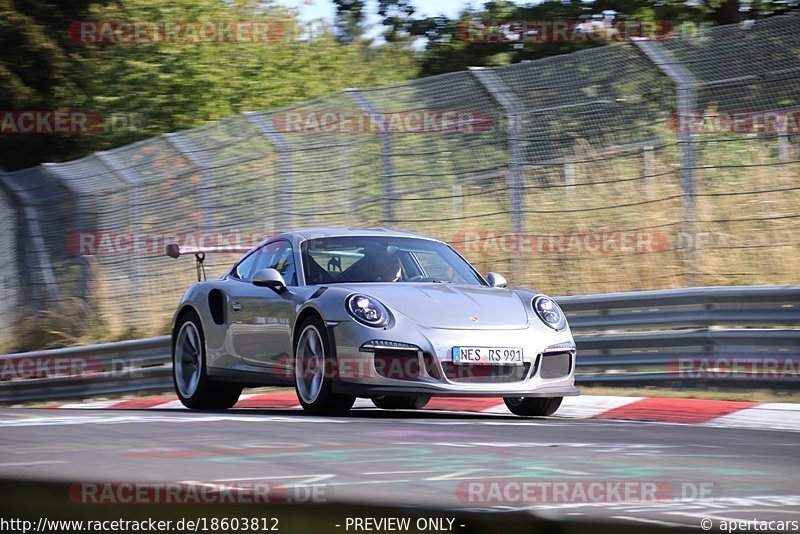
point(426, 367)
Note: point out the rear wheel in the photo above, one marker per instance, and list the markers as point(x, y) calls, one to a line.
point(192, 384)
point(314, 371)
point(533, 406)
point(401, 402)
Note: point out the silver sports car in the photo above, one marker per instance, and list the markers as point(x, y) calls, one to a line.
point(392, 316)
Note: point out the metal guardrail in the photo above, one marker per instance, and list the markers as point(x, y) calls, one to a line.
point(83, 372)
point(698, 337)
point(748, 306)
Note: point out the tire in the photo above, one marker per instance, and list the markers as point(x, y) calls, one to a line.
point(533, 406)
point(195, 390)
point(401, 402)
point(314, 371)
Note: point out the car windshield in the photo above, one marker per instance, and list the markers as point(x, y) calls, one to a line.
point(335, 260)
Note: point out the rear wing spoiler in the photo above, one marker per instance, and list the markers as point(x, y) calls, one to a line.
point(175, 251)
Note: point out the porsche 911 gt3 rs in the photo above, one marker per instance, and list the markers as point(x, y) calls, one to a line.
point(392, 316)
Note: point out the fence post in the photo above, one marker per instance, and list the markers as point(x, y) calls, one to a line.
point(33, 246)
point(569, 177)
point(685, 84)
point(386, 144)
point(284, 164)
point(109, 159)
point(649, 163)
point(183, 146)
point(458, 200)
point(513, 109)
point(22, 264)
point(784, 148)
point(80, 226)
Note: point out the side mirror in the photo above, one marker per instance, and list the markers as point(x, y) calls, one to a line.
point(496, 280)
point(269, 278)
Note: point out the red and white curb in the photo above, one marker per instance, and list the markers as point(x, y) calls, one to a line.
point(733, 414)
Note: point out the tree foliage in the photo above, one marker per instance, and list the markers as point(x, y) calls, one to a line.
point(447, 50)
point(169, 86)
point(41, 69)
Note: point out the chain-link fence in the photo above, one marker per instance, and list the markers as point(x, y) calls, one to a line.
point(641, 165)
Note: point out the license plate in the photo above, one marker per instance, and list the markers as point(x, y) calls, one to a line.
point(488, 355)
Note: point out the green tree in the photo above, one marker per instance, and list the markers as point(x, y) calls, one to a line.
point(349, 19)
point(41, 69)
point(448, 50)
point(178, 86)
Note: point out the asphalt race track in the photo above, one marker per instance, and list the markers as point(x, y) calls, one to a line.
point(413, 458)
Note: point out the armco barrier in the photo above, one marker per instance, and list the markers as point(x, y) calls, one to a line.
point(696, 337)
point(82, 372)
point(713, 336)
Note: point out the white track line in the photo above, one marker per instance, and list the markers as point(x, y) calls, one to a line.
point(42, 462)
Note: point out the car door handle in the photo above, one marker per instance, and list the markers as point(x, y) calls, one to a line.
point(235, 306)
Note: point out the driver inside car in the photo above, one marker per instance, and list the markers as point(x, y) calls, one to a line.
point(388, 268)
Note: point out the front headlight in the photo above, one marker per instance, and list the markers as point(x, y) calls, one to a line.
point(367, 310)
point(549, 312)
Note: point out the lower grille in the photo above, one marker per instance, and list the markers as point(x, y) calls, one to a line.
point(556, 365)
point(399, 365)
point(485, 374)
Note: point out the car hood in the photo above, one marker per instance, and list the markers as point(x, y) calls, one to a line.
point(449, 305)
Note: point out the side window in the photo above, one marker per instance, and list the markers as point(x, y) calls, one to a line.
point(244, 270)
point(278, 256)
point(434, 266)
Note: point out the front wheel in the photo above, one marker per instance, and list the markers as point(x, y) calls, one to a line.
point(314, 372)
point(401, 402)
point(533, 406)
point(192, 384)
